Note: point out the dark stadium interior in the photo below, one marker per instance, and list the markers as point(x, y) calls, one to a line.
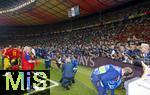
point(20, 25)
point(102, 32)
point(52, 11)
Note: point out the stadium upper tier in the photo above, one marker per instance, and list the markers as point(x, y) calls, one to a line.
point(51, 11)
point(117, 32)
point(95, 26)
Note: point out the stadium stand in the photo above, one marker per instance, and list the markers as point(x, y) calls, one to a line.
point(119, 35)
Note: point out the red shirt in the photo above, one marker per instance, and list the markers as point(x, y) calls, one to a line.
point(15, 53)
point(7, 52)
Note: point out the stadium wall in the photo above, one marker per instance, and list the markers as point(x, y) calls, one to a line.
point(94, 62)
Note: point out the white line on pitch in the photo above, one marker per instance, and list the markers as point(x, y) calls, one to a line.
point(55, 83)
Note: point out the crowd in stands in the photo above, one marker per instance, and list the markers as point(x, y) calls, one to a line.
point(103, 17)
point(127, 12)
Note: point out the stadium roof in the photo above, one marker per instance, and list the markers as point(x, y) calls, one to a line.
point(49, 11)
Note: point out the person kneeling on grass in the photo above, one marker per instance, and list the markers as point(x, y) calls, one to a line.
point(67, 74)
point(108, 77)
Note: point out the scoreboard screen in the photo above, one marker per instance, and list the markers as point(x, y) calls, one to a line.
point(74, 11)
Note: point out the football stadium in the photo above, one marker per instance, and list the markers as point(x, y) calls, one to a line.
point(74, 47)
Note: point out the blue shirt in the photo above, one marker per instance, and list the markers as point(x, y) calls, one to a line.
point(75, 63)
point(131, 53)
point(27, 57)
point(109, 76)
point(67, 70)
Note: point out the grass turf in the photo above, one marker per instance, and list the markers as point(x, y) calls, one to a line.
point(83, 85)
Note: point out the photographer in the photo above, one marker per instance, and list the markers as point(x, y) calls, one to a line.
point(139, 86)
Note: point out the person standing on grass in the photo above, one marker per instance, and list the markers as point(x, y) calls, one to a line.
point(47, 60)
point(59, 61)
point(108, 77)
point(75, 63)
point(6, 53)
point(15, 59)
point(27, 59)
point(67, 74)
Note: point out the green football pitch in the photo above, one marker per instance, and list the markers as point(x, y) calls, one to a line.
point(83, 85)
